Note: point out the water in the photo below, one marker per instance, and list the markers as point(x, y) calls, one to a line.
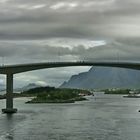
point(104, 118)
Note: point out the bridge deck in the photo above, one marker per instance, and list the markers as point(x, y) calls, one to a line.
point(35, 66)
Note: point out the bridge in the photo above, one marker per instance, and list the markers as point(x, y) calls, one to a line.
point(10, 70)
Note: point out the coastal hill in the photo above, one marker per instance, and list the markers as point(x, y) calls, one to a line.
point(20, 89)
point(103, 78)
point(29, 86)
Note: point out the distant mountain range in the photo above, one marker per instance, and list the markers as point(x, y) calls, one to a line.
point(105, 77)
point(27, 87)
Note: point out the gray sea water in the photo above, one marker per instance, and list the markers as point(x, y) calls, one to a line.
point(102, 118)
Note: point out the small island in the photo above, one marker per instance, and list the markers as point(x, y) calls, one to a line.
point(56, 95)
point(52, 95)
point(117, 91)
point(127, 93)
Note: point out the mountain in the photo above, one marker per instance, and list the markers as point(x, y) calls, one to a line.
point(104, 77)
point(27, 87)
point(18, 90)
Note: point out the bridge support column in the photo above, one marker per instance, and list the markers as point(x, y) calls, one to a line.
point(9, 95)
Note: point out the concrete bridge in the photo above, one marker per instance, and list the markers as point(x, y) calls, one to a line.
point(10, 70)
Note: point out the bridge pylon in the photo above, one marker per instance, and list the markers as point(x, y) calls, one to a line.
point(9, 95)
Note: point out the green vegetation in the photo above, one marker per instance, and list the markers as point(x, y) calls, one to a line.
point(52, 95)
point(117, 91)
point(56, 95)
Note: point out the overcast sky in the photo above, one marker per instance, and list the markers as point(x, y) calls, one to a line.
point(67, 30)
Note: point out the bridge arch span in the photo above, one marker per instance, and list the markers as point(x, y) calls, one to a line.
point(13, 69)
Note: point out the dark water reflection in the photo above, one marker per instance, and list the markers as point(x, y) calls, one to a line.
point(106, 118)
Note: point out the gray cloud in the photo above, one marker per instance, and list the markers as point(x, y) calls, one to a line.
point(87, 19)
point(58, 30)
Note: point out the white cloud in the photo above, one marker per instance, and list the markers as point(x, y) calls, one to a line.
point(66, 5)
point(98, 3)
point(31, 7)
point(41, 83)
point(58, 6)
point(38, 6)
point(72, 43)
